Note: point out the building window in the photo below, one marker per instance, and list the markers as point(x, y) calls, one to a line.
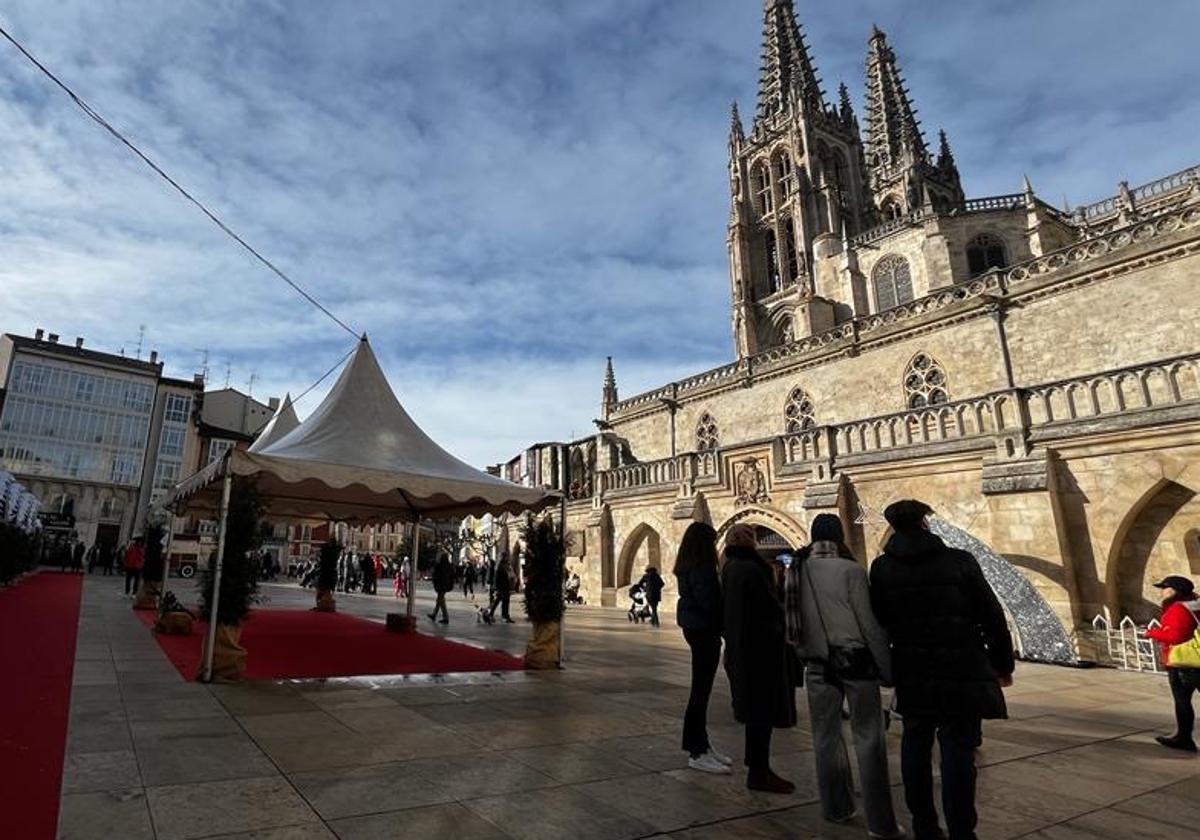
point(786, 175)
point(172, 442)
point(707, 434)
point(892, 281)
point(166, 473)
point(178, 408)
point(218, 448)
point(925, 382)
point(799, 412)
point(984, 252)
point(789, 248)
point(773, 260)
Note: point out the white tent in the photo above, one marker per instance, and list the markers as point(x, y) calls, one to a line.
point(357, 458)
point(282, 422)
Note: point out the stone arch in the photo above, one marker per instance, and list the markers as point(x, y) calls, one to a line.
point(1126, 504)
point(632, 547)
point(776, 520)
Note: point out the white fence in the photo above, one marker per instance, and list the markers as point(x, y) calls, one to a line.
point(1125, 644)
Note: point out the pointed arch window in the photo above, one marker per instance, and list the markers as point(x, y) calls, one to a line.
point(708, 436)
point(785, 174)
point(984, 252)
point(761, 179)
point(925, 382)
point(799, 413)
point(773, 260)
point(892, 281)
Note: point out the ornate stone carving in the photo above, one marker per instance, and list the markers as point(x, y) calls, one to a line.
point(751, 484)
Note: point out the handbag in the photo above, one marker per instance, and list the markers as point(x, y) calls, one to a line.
point(842, 663)
point(1186, 654)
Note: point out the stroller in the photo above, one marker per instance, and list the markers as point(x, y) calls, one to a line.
point(639, 610)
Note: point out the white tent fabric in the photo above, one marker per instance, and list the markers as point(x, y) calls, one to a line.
point(280, 424)
point(359, 458)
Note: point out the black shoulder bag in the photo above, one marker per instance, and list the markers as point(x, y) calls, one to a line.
point(842, 663)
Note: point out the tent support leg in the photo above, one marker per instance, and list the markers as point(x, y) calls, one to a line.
point(412, 571)
point(220, 561)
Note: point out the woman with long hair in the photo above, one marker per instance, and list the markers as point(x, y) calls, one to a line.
point(699, 615)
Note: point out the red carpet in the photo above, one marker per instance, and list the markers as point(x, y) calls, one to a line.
point(38, 621)
point(295, 644)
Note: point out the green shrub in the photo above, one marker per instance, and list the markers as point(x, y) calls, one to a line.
point(545, 557)
point(327, 571)
point(239, 573)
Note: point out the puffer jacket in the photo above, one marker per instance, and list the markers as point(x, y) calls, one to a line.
point(947, 631)
point(1177, 625)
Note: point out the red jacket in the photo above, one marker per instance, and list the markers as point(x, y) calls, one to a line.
point(134, 558)
point(1177, 625)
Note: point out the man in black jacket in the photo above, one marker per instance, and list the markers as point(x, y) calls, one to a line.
point(951, 654)
point(443, 582)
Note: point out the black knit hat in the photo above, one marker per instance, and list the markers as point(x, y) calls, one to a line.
point(906, 515)
point(827, 528)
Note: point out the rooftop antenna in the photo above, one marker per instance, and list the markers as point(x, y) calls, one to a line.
point(250, 383)
point(203, 362)
point(228, 370)
point(141, 338)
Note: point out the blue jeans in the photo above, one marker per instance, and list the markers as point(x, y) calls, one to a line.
point(959, 738)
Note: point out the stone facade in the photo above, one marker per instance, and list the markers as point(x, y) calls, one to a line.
point(1033, 373)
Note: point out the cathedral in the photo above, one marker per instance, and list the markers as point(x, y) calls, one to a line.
point(1032, 372)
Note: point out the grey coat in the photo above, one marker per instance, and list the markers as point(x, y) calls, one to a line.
point(840, 584)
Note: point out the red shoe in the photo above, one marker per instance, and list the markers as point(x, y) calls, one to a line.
point(767, 782)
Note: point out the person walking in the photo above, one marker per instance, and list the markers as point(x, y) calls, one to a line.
point(107, 554)
point(366, 565)
point(78, 551)
point(652, 584)
point(755, 655)
point(698, 613)
point(468, 582)
point(503, 590)
point(833, 630)
point(952, 654)
point(135, 558)
point(443, 582)
point(1178, 625)
point(93, 557)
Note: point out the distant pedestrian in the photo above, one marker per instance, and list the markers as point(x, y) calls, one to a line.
point(93, 557)
point(1178, 625)
point(468, 581)
point(755, 655)
point(699, 613)
point(653, 584)
point(135, 558)
point(835, 633)
point(366, 565)
point(502, 591)
point(107, 554)
point(952, 654)
point(443, 582)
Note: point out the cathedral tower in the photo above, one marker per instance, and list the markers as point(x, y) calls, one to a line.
point(902, 176)
point(798, 187)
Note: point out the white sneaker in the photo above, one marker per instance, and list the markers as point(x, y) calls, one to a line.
point(707, 764)
point(720, 756)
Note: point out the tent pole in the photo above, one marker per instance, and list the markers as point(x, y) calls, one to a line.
point(412, 568)
point(226, 488)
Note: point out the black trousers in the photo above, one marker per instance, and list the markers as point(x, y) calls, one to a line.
point(132, 579)
point(706, 655)
point(959, 738)
point(654, 613)
point(758, 746)
point(1184, 682)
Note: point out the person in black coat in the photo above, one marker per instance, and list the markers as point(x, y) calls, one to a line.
point(652, 584)
point(502, 591)
point(755, 655)
point(699, 613)
point(443, 582)
point(951, 655)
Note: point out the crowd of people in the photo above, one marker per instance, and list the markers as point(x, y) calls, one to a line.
point(75, 556)
point(923, 622)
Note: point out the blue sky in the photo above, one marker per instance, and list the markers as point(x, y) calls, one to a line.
point(500, 192)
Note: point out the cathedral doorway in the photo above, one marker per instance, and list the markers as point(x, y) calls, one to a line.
point(776, 531)
point(642, 548)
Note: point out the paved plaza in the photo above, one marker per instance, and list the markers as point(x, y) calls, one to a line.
point(588, 752)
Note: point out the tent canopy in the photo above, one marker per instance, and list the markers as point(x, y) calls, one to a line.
point(282, 421)
point(359, 458)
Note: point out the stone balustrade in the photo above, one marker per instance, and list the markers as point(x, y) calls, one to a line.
point(975, 423)
point(1146, 194)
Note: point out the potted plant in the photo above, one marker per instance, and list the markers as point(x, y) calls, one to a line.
point(174, 619)
point(153, 566)
point(545, 557)
point(327, 574)
point(239, 582)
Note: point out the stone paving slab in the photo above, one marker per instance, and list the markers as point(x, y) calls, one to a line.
point(588, 752)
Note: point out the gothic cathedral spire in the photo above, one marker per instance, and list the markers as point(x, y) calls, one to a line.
point(903, 177)
point(787, 70)
point(609, 393)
